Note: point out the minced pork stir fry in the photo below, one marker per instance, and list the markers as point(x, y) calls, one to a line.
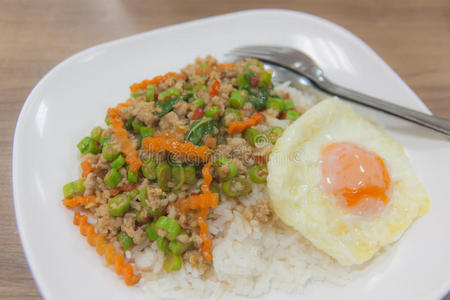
point(167, 155)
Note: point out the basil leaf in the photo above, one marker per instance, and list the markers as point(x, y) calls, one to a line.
point(188, 96)
point(200, 128)
point(166, 106)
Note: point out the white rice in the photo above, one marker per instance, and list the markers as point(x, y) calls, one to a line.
point(249, 258)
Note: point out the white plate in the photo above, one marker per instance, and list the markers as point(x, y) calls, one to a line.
point(73, 97)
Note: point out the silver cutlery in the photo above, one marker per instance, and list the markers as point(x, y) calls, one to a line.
point(300, 63)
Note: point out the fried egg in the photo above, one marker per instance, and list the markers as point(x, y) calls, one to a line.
point(343, 183)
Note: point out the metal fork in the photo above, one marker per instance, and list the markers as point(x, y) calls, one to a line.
point(303, 65)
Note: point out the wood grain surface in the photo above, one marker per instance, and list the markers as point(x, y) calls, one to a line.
point(412, 36)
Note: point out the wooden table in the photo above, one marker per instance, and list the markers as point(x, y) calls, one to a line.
point(412, 36)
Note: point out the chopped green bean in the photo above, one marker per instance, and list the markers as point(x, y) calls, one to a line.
point(264, 79)
point(292, 115)
point(178, 248)
point(197, 87)
point(172, 262)
point(151, 232)
point(275, 104)
point(112, 178)
point(199, 102)
point(87, 145)
point(236, 187)
point(250, 135)
point(137, 124)
point(143, 200)
point(258, 173)
point(96, 133)
point(135, 95)
point(74, 188)
point(132, 176)
point(170, 225)
point(148, 168)
point(142, 216)
point(146, 132)
point(104, 140)
point(118, 162)
point(189, 175)
point(273, 134)
point(133, 194)
point(119, 205)
point(170, 93)
point(110, 152)
point(150, 92)
point(177, 172)
point(238, 98)
point(232, 169)
point(125, 240)
point(163, 176)
point(162, 243)
point(288, 104)
point(213, 112)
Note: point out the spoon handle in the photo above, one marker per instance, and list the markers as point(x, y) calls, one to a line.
point(438, 124)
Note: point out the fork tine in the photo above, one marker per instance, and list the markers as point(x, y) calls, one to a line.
point(259, 55)
point(252, 51)
point(265, 49)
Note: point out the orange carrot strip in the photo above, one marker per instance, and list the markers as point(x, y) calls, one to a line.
point(78, 200)
point(206, 251)
point(224, 67)
point(126, 145)
point(203, 202)
point(86, 168)
point(215, 87)
point(198, 202)
point(161, 144)
point(240, 126)
point(107, 249)
point(156, 80)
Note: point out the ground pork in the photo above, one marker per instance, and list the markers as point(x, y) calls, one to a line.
point(129, 227)
point(261, 212)
point(106, 224)
point(241, 150)
point(173, 124)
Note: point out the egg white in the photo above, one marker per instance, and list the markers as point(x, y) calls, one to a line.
point(298, 198)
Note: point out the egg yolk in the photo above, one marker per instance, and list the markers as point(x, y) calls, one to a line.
point(357, 177)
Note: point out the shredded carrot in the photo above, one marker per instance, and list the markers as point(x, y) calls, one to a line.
point(113, 112)
point(86, 168)
point(156, 80)
point(206, 246)
point(203, 202)
point(215, 87)
point(198, 202)
point(78, 200)
point(175, 146)
point(224, 67)
point(107, 249)
point(240, 126)
point(127, 146)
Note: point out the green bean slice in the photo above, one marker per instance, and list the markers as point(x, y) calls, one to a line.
point(163, 176)
point(236, 187)
point(258, 173)
point(119, 205)
point(148, 168)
